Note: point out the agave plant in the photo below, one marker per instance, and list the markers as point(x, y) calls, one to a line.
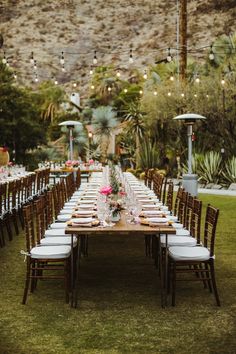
point(196, 164)
point(148, 155)
point(210, 167)
point(229, 173)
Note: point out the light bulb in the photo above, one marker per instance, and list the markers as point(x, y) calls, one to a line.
point(35, 65)
point(131, 60)
point(171, 78)
point(125, 90)
point(118, 73)
point(92, 87)
point(63, 68)
point(15, 76)
point(7, 64)
point(141, 92)
point(155, 93)
point(197, 80)
point(95, 58)
point(74, 84)
point(32, 58)
point(169, 94)
point(62, 60)
point(109, 89)
point(55, 82)
point(211, 56)
point(145, 74)
point(4, 59)
point(195, 95)
point(169, 57)
point(91, 72)
point(182, 94)
point(222, 81)
point(207, 96)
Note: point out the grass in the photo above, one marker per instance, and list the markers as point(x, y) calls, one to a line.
point(119, 302)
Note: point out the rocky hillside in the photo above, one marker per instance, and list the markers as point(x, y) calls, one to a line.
point(111, 27)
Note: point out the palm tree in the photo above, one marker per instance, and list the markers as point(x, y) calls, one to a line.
point(104, 121)
point(136, 125)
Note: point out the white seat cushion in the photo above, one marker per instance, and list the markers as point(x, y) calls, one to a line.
point(64, 217)
point(66, 211)
point(68, 205)
point(174, 240)
point(51, 252)
point(197, 253)
point(181, 232)
point(58, 225)
point(58, 241)
point(55, 232)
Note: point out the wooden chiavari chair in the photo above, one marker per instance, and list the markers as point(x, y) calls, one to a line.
point(199, 259)
point(44, 258)
point(169, 197)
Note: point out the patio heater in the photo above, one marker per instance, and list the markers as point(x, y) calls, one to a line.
point(70, 124)
point(190, 179)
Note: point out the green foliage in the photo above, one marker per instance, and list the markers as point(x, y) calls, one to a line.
point(229, 171)
point(19, 118)
point(210, 167)
point(149, 155)
point(197, 160)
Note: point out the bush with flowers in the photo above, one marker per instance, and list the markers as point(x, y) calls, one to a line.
point(72, 163)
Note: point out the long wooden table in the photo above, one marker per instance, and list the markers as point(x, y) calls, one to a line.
point(124, 229)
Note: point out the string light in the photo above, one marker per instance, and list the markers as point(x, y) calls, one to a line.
point(223, 80)
point(125, 90)
point(195, 95)
point(15, 76)
point(36, 77)
point(109, 89)
point(141, 92)
point(171, 77)
point(91, 72)
point(155, 93)
point(63, 68)
point(207, 96)
point(197, 79)
point(169, 57)
point(169, 94)
point(118, 73)
point(62, 60)
point(35, 65)
point(7, 63)
point(4, 59)
point(74, 84)
point(211, 55)
point(182, 94)
point(131, 59)
point(145, 74)
point(92, 87)
point(95, 60)
point(55, 82)
point(32, 58)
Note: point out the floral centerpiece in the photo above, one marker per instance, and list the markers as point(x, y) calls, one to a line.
point(72, 163)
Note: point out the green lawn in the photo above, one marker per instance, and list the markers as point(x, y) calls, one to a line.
point(119, 309)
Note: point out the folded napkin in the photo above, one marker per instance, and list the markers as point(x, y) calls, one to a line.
point(150, 206)
point(182, 232)
point(177, 225)
point(152, 212)
point(157, 220)
point(172, 218)
point(86, 201)
point(85, 206)
point(81, 220)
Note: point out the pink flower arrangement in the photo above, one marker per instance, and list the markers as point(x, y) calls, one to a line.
point(107, 190)
point(10, 163)
point(70, 163)
point(91, 162)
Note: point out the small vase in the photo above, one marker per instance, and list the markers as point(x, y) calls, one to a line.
point(115, 217)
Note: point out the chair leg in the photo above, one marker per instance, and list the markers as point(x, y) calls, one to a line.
point(27, 282)
point(208, 276)
point(14, 219)
point(212, 270)
point(173, 284)
point(2, 238)
point(8, 227)
point(67, 280)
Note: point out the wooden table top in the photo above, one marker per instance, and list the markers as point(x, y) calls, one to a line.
point(122, 227)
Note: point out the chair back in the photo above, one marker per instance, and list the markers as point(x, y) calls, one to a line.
point(195, 222)
point(189, 211)
point(28, 214)
point(40, 217)
point(177, 199)
point(169, 197)
point(181, 213)
point(212, 215)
